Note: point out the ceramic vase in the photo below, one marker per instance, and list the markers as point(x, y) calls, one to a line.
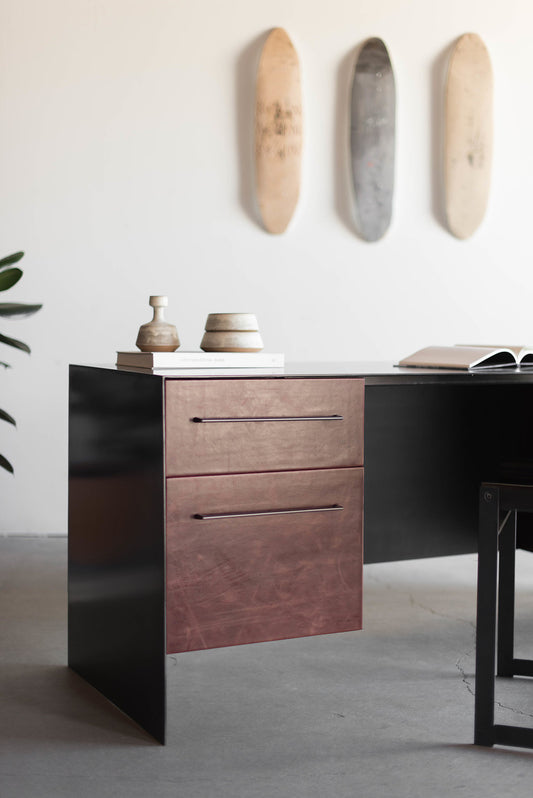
point(158, 335)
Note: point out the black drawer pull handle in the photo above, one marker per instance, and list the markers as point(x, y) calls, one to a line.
point(216, 516)
point(198, 420)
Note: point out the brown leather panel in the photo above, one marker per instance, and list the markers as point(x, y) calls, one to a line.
point(221, 448)
point(245, 580)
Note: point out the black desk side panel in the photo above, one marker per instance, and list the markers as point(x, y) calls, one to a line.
point(116, 578)
point(427, 449)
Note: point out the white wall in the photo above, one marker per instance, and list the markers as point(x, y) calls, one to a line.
point(125, 163)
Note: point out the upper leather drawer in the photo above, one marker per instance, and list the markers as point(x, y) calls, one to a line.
point(221, 426)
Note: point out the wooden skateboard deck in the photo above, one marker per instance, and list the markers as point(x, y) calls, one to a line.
point(468, 135)
point(278, 131)
point(372, 139)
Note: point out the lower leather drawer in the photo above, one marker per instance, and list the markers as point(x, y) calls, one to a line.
point(258, 557)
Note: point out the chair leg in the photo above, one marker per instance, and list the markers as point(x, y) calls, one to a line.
point(486, 616)
point(506, 597)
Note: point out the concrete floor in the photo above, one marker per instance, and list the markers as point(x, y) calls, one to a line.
point(383, 712)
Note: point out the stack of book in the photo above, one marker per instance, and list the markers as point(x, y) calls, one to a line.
point(169, 361)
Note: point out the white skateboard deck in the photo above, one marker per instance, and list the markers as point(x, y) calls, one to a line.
point(468, 135)
point(278, 131)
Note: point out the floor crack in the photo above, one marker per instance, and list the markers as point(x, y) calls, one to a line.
point(466, 678)
point(415, 603)
point(513, 709)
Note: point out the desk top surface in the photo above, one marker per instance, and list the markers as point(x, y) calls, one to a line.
point(373, 373)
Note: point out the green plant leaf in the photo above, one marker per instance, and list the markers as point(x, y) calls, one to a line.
point(6, 464)
point(13, 342)
point(9, 278)
point(6, 417)
point(5, 365)
point(10, 259)
point(17, 309)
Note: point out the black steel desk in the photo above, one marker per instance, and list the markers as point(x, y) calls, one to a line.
point(430, 437)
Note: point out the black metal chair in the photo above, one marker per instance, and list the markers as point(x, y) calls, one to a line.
point(498, 508)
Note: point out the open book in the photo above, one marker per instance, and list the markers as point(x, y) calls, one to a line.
point(470, 357)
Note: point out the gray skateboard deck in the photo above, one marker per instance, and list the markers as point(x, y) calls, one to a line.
point(278, 131)
point(468, 135)
point(372, 140)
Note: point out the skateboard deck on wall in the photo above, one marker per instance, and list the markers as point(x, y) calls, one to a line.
point(372, 139)
point(278, 131)
point(468, 135)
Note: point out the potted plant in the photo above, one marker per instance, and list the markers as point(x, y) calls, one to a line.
point(9, 275)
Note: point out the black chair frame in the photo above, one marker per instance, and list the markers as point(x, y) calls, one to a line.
point(499, 506)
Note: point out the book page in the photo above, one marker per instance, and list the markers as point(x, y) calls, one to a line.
point(460, 357)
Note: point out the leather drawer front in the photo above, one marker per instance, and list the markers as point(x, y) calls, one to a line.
point(237, 446)
point(249, 579)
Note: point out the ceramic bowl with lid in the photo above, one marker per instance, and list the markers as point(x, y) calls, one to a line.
point(231, 332)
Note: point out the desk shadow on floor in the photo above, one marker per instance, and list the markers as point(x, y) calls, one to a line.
point(488, 751)
point(51, 703)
